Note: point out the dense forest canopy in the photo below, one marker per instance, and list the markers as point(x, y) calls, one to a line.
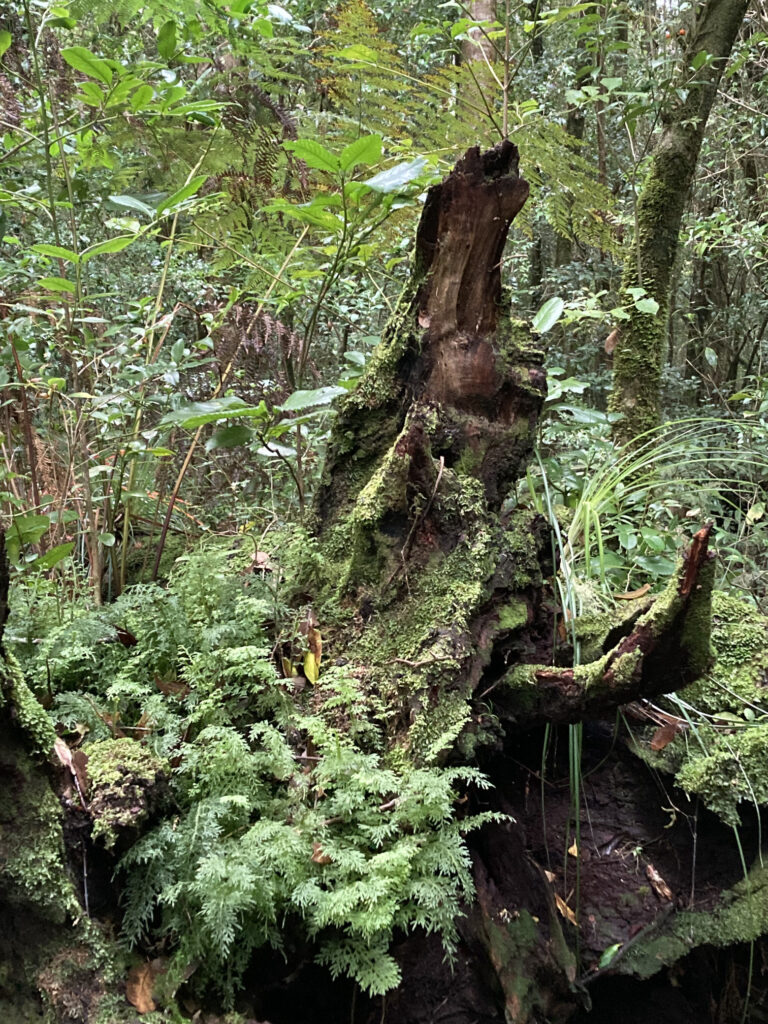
point(384, 617)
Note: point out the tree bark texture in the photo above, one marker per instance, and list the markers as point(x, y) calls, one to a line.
point(641, 348)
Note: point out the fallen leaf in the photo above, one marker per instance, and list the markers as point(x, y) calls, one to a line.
point(632, 595)
point(565, 910)
point(318, 856)
point(658, 884)
point(665, 734)
point(138, 988)
point(573, 849)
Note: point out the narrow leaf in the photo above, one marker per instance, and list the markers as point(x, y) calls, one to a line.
point(116, 244)
point(57, 251)
point(185, 192)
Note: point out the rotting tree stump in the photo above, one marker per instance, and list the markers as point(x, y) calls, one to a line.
point(451, 619)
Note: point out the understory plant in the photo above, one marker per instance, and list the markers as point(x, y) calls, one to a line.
point(289, 828)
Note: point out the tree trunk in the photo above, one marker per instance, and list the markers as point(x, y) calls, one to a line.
point(445, 594)
point(641, 348)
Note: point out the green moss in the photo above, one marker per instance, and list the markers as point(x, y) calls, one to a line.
point(27, 710)
point(740, 670)
point(32, 869)
point(122, 775)
point(734, 770)
point(741, 915)
point(513, 615)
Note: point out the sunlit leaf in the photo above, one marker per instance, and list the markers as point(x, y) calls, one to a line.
point(548, 315)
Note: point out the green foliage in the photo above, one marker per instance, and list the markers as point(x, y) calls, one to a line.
point(289, 820)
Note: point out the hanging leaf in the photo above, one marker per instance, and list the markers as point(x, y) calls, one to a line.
point(166, 40)
point(311, 670)
point(648, 305)
point(5, 41)
point(138, 988)
point(548, 315)
point(229, 437)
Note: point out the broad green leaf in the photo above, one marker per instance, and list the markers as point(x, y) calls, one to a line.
point(609, 84)
point(24, 530)
point(132, 204)
point(366, 150)
point(653, 539)
point(229, 437)
point(401, 174)
point(81, 59)
point(185, 192)
point(116, 244)
point(92, 94)
point(166, 40)
point(307, 399)
point(54, 556)
point(57, 251)
point(609, 954)
point(107, 539)
point(56, 284)
point(711, 356)
point(314, 155)
point(197, 414)
point(5, 41)
point(548, 315)
point(756, 512)
point(647, 306)
point(143, 95)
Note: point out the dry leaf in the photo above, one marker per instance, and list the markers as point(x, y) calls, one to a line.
point(665, 734)
point(171, 687)
point(315, 643)
point(565, 910)
point(632, 595)
point(658, 884)
point(573, 849)
point(318, 856)
point(610, 342)
point(138, 988)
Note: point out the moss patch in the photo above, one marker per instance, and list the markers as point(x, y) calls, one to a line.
point(124, 780)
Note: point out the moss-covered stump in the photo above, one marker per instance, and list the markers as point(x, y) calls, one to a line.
point(126, 786)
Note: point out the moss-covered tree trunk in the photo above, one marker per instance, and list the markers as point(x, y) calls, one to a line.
point(438, 582)
point(642, 343)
